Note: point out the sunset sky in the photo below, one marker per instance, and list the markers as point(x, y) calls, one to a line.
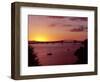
point(55, 28)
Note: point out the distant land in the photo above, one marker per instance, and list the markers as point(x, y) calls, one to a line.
point(61, 41)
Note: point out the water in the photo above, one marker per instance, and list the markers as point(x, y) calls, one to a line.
point(56, 53)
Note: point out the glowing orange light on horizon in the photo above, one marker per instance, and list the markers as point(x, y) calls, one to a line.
point(40, 38)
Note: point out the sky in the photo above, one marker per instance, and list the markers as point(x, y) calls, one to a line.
point(56, 28)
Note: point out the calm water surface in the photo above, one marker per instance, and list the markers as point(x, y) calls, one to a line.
point(56, 53)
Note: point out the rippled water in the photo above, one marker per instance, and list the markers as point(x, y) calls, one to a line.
point(56, 53)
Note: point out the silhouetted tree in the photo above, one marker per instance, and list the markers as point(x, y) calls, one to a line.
point(32, 57)
point(82, 53)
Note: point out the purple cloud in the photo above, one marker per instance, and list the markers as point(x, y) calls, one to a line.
point(79, 29)
point(58, 24)
point(67, 25)
point(52, 25)
point(78, 18)
point(57, 17)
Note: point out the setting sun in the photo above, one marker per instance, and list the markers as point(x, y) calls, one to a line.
point(55, 40)
point(46, 28)
point(40, 38)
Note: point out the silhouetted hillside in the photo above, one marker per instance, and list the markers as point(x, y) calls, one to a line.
point(82, 53)
point(61, 41)
point(32, 57)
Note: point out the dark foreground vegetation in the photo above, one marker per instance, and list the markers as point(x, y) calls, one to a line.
point(82, 53)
